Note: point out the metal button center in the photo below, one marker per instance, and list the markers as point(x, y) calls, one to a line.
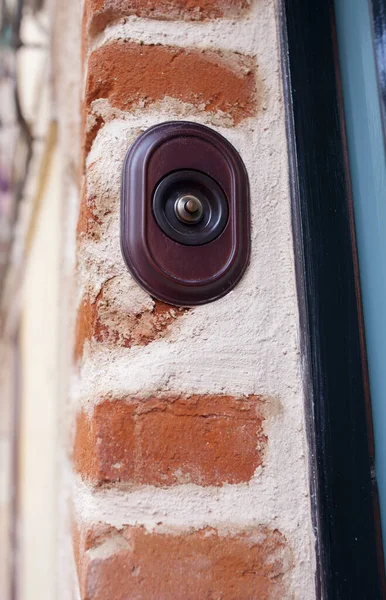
point(189, 209)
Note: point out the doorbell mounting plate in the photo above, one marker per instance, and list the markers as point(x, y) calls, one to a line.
point(185, 224)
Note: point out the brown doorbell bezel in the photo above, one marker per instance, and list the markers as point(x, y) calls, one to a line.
point(191, 263)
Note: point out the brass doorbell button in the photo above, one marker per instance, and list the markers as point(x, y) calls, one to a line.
point(185, 226)
point(189, 209)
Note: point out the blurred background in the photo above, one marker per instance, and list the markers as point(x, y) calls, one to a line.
point(29, 287)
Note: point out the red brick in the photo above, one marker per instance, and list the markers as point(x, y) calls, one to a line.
point(206, 440)
point(105, 321)
point(128, 74)
point(105, 445)
point(194, 565)
point(98, 13)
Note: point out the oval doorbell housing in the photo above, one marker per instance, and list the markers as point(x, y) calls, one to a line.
point(185, 225)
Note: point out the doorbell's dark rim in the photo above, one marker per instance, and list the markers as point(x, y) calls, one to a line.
point(176, 273)
point(215, 207)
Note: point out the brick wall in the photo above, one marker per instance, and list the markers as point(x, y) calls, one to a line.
point(188, 445)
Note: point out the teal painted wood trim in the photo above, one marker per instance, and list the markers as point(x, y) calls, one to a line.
point(368, 176)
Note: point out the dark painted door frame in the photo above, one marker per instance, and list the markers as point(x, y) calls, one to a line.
point(343, 485)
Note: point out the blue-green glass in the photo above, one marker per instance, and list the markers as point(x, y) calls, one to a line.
point(368, 175)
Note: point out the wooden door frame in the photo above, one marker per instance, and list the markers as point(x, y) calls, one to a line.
point(343, 485)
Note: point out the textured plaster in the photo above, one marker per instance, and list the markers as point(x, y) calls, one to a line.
point(246, 343)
